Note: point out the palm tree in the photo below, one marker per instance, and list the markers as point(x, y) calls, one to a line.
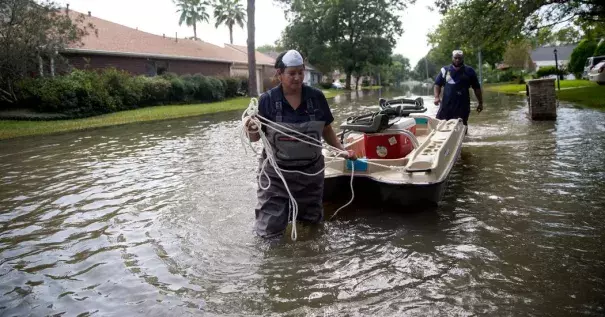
point(192, 12)
point(252, 90)
point(229, 12)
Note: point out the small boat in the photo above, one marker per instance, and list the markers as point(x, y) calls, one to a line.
point(404, 155)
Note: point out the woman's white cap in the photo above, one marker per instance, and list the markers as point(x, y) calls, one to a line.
point(292, 58)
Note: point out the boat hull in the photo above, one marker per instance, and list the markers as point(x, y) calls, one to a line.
point(368, 190)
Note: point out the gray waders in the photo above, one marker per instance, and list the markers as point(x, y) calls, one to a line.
point(273, 208)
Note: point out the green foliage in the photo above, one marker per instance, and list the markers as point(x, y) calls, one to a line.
point(453, 33)
point(325, 85)
point(517, 55)
point(494, 75)
point(600, 50)
point(229, 13)
point(192, 12)
point(548, 37)
point(498, 21)
point(231, 87)
point(30, 31)
point(549, 70)
point(420, 70)
point(584, 50)
point(343, 34)
point(86, 93)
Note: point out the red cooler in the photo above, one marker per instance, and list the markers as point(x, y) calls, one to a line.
point(387, 145)
point(390, 144)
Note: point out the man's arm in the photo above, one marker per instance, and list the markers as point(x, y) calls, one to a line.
point(439, 81)
point(478, 93)
point(437, 91)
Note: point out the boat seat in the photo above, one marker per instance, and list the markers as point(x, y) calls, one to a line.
point(373, 124)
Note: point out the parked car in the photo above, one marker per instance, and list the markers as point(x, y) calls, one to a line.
point(590, 64)
point(337, 85)
point(597, 73)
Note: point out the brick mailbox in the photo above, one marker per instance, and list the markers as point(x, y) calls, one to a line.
point(542, 99)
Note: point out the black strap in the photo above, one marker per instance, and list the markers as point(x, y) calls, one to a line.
point(278, 108)
point(311, 109)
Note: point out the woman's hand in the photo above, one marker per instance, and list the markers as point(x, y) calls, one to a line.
point(251, 126)
point(252, 129)
point(349, 154)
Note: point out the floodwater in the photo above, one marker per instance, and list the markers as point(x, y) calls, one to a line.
point(155, 219)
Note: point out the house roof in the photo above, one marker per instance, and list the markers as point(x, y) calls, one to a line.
point(116, 39)
point(546, 53)
point(260, 57)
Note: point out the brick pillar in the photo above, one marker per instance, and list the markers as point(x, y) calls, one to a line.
point(542, 99)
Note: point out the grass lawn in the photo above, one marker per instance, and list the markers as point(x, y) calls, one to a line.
point(18, 128)
point(509, 88)
point(593, 96)
point(371, 87)
point(583, 92)
point(14, 128)
point(331, 93)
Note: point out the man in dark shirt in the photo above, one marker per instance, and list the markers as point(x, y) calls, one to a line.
point(457, 79)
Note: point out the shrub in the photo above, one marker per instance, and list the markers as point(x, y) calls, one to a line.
point(156, 90)
point(550, 70)
point(584, 50)
point(600, 50)
point(126, 91)
point(85, 93)
point(232, 86)
point(325, 85)
point(217, 89)
point(243, 88)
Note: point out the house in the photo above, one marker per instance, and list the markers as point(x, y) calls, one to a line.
point(265, 66)
point(142, 53)
point(312, 75)
point(545, 56)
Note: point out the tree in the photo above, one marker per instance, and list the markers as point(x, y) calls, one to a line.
point(267, 48)
point(229, 12)
point(447, 37)
point(498, 21)
point(192, 12)
point(31, 33)
point(547, 37)
point(401, 69)
point(420, 70)
point(600, 50)
point(352, 33)
point(252, 88)
point(517, 54)
point(304, 38)
point(591, 29)
point(584, 50)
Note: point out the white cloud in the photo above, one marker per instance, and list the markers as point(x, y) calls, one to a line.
point(160, 17)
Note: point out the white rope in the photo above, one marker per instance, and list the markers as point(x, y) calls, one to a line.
point(251, 113)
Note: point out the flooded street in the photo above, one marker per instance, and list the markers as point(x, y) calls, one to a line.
point(155, 219)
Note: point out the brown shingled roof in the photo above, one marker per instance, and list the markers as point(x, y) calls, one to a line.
point(261, 58)
point(117, 39)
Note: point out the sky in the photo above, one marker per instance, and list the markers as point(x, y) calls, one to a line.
point(160, 17)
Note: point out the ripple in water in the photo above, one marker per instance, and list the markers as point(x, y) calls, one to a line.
point(156, 219)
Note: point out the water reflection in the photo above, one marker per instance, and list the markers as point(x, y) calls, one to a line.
point(156, 219)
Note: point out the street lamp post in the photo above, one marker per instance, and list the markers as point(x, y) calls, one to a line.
point(557, 69)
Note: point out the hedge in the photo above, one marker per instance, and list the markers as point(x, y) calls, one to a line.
point(549, 70)
point(88, 93)
point(584, 50)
